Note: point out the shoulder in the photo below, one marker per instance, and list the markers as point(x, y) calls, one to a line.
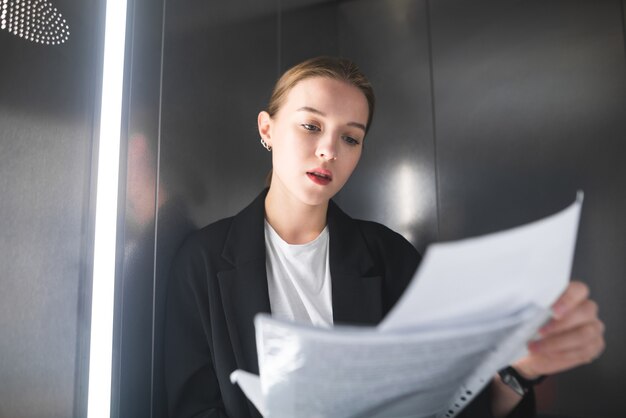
point(377, 232)
point(207, 239)
point(388, 249)
point(376, 235)
point(387, 243)
point(233, 231)
point(199, 256)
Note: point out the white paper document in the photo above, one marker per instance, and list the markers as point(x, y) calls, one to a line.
point(469, 311)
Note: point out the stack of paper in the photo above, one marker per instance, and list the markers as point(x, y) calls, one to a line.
point(469, 311)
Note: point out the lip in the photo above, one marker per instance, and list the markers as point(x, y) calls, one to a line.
point(320, 176)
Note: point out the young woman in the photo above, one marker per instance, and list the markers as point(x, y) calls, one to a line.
point(294, 253)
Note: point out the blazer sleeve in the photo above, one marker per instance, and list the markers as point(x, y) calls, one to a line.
point(527, 408)
point(191, 383)
point(395, 256)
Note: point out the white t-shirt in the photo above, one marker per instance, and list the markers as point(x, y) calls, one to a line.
point(298, 278)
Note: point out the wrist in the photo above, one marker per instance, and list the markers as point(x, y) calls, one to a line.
point(523, 369)
point(519, 382)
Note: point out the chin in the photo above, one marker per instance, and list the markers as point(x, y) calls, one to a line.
point(317, 198)
point(309, 193)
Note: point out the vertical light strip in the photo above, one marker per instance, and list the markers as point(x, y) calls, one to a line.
point(101, 346)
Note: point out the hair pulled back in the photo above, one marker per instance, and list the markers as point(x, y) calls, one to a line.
point(341, 69)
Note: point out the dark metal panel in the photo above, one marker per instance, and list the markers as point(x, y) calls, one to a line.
point(132, 393)
point(395, 181)
point(218, 58)
point(217, 76)
point(307, 32)
point(47, 100)
point(624, 22)
point(530, 100)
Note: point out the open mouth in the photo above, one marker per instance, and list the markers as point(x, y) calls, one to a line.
point(320, 177)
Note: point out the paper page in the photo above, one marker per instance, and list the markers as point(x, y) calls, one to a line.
point(478, 278)
point(250, 384)
point(345, 372)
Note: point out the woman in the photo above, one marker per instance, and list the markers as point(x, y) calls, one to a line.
point(276, 256)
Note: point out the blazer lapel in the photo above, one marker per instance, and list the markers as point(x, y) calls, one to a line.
point(244, 289)
point(356, 288)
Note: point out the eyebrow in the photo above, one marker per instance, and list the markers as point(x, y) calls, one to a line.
point(318, 112)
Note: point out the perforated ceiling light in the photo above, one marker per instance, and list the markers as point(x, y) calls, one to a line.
point(35, 20)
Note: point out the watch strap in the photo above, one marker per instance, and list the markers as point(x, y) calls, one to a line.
point(517, 382)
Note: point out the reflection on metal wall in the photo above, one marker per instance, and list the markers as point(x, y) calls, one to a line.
point(395, 181)
point(202, 162)
point(132, 391)
point(47, 97)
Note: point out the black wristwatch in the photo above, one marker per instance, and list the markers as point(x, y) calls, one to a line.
point(517, 382)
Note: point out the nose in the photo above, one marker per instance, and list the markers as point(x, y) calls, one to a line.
point(327, 148)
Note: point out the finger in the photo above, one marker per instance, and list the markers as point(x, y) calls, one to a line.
point(584, 355)
point(571, 339)
point(575, 293)
point(585, 312)
point(564, 360)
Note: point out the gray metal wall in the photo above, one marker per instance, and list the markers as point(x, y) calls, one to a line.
point(47, 107)
point(491, 114)
point(530, 104)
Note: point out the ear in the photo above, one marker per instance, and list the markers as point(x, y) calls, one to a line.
point(264, 122)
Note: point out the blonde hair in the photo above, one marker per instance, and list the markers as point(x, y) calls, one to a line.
point(331, 67)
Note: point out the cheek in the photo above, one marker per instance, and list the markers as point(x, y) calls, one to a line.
point(350, 164)
point(285, 158)
point(354, 160)
point(298, 148)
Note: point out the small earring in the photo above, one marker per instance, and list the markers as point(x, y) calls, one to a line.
point(266, 145)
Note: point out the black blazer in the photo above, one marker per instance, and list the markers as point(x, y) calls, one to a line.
point(219, 283)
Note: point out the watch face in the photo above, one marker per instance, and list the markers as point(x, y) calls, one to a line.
point(518, 383)
point(512, 382)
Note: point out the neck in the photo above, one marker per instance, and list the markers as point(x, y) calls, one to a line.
point(294, 221)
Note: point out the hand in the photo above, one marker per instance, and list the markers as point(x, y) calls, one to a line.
point(575, 336)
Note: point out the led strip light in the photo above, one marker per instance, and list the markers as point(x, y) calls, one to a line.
point(101, 346)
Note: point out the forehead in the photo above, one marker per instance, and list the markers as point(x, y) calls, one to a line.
point(332, 97)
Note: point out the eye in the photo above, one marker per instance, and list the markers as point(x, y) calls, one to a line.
point(310, 127)
point(350, 141)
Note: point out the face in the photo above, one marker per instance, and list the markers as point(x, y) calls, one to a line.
point(316, 138)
